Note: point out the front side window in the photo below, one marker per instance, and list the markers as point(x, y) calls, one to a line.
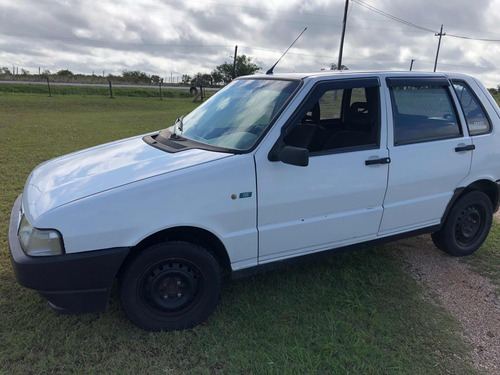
point(423, 113)
point(330, 104)
point(477, 120)
point(337, 119)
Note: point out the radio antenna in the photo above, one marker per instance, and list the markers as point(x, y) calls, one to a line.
point(270, 71)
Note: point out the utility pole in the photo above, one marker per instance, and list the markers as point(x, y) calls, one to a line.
point(344, 23)
point(440, 34)
point(411, 64)
point(234, 63)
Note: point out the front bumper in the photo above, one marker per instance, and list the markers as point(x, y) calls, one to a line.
point(72, 283)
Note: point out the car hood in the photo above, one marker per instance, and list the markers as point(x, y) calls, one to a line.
point(94, 170)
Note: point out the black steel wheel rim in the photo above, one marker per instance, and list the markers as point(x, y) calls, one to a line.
point(170, 287)
point(470, 225)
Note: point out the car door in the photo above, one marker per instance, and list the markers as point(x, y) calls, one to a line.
point(337, 198)
point(430, 153)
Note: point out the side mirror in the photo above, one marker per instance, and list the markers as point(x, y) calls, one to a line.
point(294, 156)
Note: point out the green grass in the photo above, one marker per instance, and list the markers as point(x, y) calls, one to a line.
point(92, 90)
point(487, 261)
point(355, 313)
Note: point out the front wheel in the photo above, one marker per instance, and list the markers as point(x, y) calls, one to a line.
point(170, 286)
point(467, 225)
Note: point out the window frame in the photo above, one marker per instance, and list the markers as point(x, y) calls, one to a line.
point(478, 102)
point(419, 82)
point(314, 96)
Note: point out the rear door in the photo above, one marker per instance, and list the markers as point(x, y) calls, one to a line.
point(430, 153)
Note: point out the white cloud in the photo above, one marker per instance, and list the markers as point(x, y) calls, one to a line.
point(160, 37)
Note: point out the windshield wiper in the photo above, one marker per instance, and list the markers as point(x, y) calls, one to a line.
point(180, 127)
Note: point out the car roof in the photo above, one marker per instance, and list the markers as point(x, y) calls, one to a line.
point(350, 74)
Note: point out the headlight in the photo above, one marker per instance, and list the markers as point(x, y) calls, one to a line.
point(39, 242)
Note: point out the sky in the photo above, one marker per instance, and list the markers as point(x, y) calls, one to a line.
point(175, 37)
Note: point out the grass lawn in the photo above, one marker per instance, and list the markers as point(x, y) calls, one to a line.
point(487, 261)
point(355, 313)
point(56, 90)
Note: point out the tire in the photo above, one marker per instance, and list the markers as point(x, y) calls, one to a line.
point(170, 286)
point(467, 225)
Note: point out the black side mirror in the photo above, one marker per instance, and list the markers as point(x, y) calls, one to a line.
point(294, 156)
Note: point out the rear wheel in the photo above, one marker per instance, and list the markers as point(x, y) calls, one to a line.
point(170, 286)
point(467, 225)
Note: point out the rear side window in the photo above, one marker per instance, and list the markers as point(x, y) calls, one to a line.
point(423, 112)
point(477, 120)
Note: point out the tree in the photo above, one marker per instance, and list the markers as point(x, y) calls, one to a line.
point(25, 72)
point(208, 79)
point(135, 76)
point(186, 79)
point(4, 70)
point(244, 66)
point(155, 79)
point(217, 77)
point(65, 73)
point(333, 66)
point(203, 79)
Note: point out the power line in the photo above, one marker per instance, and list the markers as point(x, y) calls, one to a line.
point(105, 43)
point(408, 23)
point(470, 38)
point(270, 10)
point(146, 5)
point(390, 16)
point(142, 44)
point(222, 14)
point(359, 25)
point(458, 66)
point(108, 43)
point(289, 53)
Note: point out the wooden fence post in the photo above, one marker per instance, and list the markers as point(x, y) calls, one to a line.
point(110, 90)
point(48, 84)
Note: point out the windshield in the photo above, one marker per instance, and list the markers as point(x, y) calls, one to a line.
point(236, 116)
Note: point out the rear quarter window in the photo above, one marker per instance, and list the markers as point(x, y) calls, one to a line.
point(477, 120)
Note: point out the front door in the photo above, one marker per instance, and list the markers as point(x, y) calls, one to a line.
point(336, 199)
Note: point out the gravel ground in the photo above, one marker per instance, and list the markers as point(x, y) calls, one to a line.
point(469, 297)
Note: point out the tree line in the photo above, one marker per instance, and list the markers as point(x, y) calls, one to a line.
point(224, 73)
point(221, 75)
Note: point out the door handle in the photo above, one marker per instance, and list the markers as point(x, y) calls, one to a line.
point(378, 161)
point(465, 148)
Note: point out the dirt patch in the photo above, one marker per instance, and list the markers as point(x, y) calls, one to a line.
point(468, 296)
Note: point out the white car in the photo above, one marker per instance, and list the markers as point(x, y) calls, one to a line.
point(272, 169)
